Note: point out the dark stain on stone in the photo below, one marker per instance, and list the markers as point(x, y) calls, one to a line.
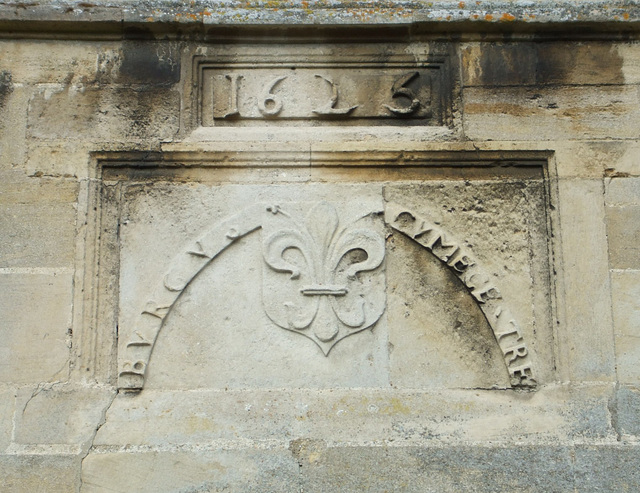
point(6, 86)
point(591, 63)
point(550, 63)
point(148, 62)
point(138, 33)
point(510, 64)
point(141, 107)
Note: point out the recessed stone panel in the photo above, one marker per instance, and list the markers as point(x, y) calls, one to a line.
point(332, 85)
point(391, 283)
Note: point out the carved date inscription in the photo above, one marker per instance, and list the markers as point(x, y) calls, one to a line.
point(244, 96)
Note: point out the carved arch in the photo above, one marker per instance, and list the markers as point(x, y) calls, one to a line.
point(462, 263)
point(191, 262)
point(186, 266)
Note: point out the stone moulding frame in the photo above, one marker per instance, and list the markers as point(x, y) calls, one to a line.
point(98, 302)
point(440, 62)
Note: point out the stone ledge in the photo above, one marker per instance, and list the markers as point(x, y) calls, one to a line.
point(437, 16)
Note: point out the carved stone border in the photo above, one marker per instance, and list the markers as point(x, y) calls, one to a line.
point(98, 310)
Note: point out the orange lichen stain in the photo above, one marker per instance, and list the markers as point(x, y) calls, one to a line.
point(626, 16)
point(461, 5)
point(475, 16)
point(448, 17)
point(507, 17)
point(149, 19)
point(488, 17)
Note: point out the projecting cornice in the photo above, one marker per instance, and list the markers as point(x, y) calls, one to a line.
point(213, 19)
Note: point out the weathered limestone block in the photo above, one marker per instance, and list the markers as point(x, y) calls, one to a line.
point(60, 415)
point(437, 469)
point(627, 401)
point(37, 234)
point(14, 100)
point(7, 407)
point(203, 469)
point(95, 112)
point(542, 64)
point(551, 113)
point(622, 198)
point(62, 62)
point(155, 418)
point(623, 228)
point(606, 468)
point(588, 335)
point(622, 191)
point(37, 221)
point(42, 472)
point(625, 289)
point(36, 310)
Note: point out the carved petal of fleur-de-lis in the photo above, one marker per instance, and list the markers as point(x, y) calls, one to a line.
point(322, 289)
point(288, 251)
point(355, 251)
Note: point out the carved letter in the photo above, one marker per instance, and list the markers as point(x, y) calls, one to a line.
point(156, 311)
point(519, 351)
point(270, 99)
point(199, 252)
point(523, 375)
point(399, 90)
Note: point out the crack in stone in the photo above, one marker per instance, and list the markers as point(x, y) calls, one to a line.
point(88, 445)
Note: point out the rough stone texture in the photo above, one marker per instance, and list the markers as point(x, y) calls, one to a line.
point(36, 312)
point(625, 286)
point(357, 416)
point(7, 406)
point(59, 415)
point(198, 470)
point(444, 12)
point(605, 468)
point(437, 469)
point(628, 408)
point(624, 236)
point(586, 286)
point(526, 113)
point(346, 350)
point(622, 198)
point(42, 472)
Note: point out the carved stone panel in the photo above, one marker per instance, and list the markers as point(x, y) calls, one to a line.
point(364, 85)
point(392, 282)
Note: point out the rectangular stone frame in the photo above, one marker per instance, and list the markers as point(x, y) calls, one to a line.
point(96, 303)
point(395, 55)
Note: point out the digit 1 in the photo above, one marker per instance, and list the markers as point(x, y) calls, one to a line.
point(233, 95)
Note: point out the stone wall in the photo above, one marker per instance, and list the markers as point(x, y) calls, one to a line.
point(314, 246)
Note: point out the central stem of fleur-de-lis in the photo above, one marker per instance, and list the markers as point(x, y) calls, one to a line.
point(313, 282)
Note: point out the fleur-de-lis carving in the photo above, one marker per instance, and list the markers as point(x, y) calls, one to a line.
point(322, 281)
